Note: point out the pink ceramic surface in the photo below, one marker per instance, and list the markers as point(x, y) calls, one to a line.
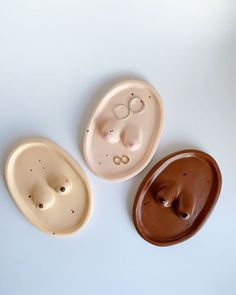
point(124, 131)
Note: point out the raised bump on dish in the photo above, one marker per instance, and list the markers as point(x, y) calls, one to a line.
point(166, 194)
point(186, 205)
point(132, 137)
point(110, 131)
point(42, 196)
point(61, 184)
point(136, 105)
point(121, 111)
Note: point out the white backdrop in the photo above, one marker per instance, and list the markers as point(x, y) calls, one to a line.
point(57, 59)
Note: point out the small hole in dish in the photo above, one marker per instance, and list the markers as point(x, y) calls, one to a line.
point(29, 196)
point(62, 189)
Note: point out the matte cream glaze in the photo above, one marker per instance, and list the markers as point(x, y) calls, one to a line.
point(49, 187)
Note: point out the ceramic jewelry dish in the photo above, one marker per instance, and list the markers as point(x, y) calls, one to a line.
point(48, 187)
point(124, 131)
point(176, 197)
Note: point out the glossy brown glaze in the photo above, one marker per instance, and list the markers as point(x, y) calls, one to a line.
point(176, 197)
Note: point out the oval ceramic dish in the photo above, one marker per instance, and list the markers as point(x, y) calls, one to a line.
point(176, 197)
point(49, 187)
point(124, 131)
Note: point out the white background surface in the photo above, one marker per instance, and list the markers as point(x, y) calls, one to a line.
point(57, 59)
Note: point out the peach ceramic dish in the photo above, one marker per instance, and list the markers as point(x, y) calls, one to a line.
point(48, 187)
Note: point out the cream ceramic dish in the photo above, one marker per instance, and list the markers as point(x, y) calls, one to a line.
point(124, 131)
point(48, 187)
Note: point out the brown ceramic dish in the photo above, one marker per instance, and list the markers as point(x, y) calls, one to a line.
point(176, 197)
